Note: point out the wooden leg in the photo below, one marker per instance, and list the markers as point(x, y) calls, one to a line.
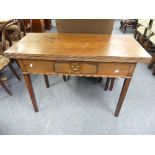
point(14, 72)
point(107, 84)
point(68, 77)
point(46, 81)
point(9, 39)
point(141, 40)
point(112, 83)
point(122, 95)
point(153, 70)
point(124, 28)
point(6, 89)
point(150, 65)
point(147, 45)
point(100, 79)
point(31, 91)
point(135, 34)
point(64, 78)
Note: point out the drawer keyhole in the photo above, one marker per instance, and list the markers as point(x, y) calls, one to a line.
point(116, 71)
point(31, 65)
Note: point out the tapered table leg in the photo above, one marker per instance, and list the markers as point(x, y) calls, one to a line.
point(31, 91)
point(122, 95)
point(112, 84)
point(46, 81)
point(64, 78)
point(107, 84)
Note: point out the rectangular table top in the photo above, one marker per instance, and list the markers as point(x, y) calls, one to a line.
point(79, 47)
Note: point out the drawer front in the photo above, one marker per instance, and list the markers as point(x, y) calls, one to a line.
point(114, 69)
point(38, 66)
point(75, 68)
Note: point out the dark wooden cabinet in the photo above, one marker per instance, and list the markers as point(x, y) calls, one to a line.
point(38, 25)
point(48, 24)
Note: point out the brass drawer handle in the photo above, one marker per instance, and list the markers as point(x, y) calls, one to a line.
point(75, 67)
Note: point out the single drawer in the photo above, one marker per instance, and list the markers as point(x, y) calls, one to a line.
point(38, 66)
point(114, 69)
point(75, 67)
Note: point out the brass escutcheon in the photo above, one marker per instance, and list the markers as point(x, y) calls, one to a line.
point(75, 66)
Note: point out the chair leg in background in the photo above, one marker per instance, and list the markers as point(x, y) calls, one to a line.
point(5, 87)
point(46, 81)
point(14, 72)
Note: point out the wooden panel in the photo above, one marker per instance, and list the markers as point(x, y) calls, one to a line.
point(48, 24)
point(38, 66)
point(38, 25)
point(114, 69)
point(79, 47)
point(85, 26)
point(75, 67)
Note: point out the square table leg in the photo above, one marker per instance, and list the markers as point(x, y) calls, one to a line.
point(46, 81)
point(122, 95)
point(31, 91)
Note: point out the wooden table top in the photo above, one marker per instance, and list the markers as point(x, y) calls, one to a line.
point(79, 47)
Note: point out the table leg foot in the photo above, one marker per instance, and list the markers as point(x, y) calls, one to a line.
point(31, 91)
point(122, 95)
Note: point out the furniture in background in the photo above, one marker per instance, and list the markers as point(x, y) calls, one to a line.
point(48, 24)
point(87, 26)
point(128, 23)
point(4, 61)
point(39, 25)
point(152, 64)
point(149, 45)
point(143, 30)
point(13, 31)
point(26, 25)
point(88, 55)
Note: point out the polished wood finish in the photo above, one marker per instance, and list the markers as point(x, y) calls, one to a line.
point(122, 95)
point(75, 68)
point(79, 47)
point(87, 55)
point(114, 69)
point(31, 91)
point(38, 66)
point(85, 26)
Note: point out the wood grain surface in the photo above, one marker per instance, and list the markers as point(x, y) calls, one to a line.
point(79, 47)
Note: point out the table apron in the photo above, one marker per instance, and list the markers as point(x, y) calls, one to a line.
point(73, 68)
